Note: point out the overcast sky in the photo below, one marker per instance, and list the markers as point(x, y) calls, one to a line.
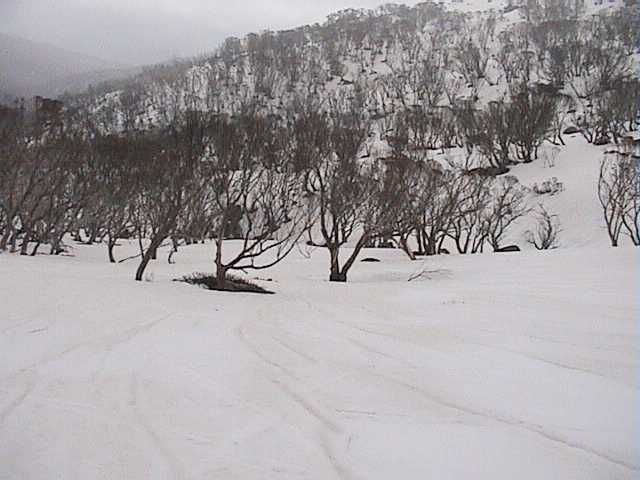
point(147, 31)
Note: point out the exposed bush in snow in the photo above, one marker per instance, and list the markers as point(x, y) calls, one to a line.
point(232, 283)
point(549, 187)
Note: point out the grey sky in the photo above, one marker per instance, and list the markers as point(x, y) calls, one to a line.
point(147, 31)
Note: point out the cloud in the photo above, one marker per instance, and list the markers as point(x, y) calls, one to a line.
point(147, 31)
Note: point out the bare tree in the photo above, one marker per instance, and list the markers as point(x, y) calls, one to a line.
point(490, 132)
point(115, 188)
point(445, 193)
point(467, 228)
point(563, 106)
point(530, 116)
point(545, 236)
point(616, 189)
point(168, 172)
point(506, 206)
point(253, 181)
point(630, 173)
point(347, 189)
point(407, 190)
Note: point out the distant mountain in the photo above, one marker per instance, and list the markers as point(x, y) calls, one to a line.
point(28, 68)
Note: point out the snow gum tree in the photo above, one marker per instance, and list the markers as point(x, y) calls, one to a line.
point(168, 172)
point(251, 180)
point(351, 194)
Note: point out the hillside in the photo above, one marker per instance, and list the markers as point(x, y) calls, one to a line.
point(432, 55)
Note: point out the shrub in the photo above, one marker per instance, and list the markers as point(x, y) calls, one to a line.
point(231, 284)
point(549, 187)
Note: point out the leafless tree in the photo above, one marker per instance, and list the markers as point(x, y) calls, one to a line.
point(545, 236)
point(408, 189)
point(467, 228)
point(490, 132)
point(349, 191)
point(253, 182)
point(445, 192)
point(507, 205)
point(530, 115)
point(115, 188)
point(513, 56)
point(563, 106)
point(472, 60)
point(629, 170)
point(617, 188)
point(168, 172)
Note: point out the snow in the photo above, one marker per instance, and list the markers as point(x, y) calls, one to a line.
point(475, 6)
point(576, 166)
point(493, 366)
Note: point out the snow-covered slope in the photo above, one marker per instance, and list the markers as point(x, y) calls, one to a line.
point(489, 366)
point(576, 166)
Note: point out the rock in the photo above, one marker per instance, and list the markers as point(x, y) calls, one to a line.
point(571, 130)
point(509, 249)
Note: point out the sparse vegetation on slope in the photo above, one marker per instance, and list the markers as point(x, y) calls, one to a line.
point(389, 126)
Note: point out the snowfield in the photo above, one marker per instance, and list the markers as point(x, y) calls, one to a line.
point(499, 367)
point(495, 366)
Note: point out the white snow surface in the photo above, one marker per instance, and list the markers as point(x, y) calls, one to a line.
point(512, 366)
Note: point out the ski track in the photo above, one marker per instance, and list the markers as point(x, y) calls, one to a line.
point(511, 422)
point(306, 368)
point(171, 460)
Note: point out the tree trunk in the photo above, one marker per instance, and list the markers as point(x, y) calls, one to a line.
point(14, 241)
point(25, 244)
point(342, 274)
point(339, 277)
point(147, 257)
point(55, 246)
point(174, 250)
point(221, 271)
point(34, 252)
point(5, 238)
point(335, 275)
point(404, 244)
point(420, 239)
point(111, 243)
point(431, 248)
point(93, 235)
point(221, 276)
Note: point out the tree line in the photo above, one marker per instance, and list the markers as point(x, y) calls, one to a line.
point(264, 182)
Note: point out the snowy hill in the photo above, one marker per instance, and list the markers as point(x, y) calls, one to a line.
point(432, 54)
